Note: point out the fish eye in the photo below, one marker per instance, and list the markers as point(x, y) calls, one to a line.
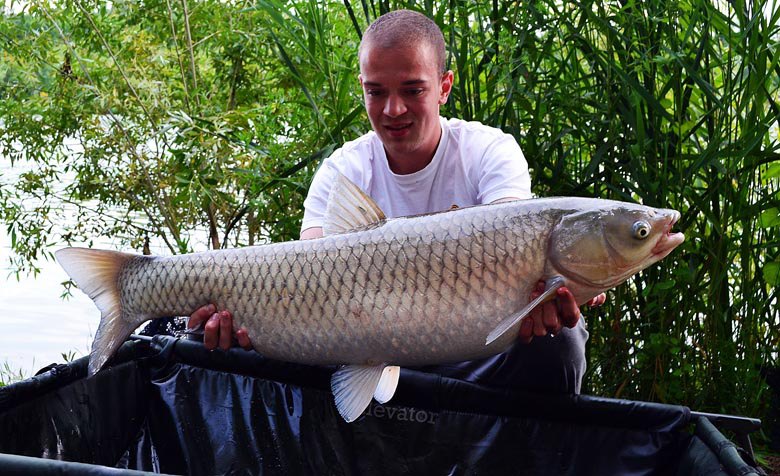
point(641, 230)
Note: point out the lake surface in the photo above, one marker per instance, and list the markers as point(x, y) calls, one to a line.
point(37, 324)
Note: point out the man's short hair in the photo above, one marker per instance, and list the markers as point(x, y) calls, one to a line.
point(405, 27)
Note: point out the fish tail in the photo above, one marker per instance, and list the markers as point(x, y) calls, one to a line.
point(96, 273)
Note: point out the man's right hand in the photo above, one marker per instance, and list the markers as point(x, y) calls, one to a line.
point(552, 316)
point(218, 328)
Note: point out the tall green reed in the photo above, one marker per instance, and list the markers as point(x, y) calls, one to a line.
point(671, 104)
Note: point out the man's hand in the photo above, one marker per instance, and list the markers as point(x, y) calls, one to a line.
point(218, 328)
point(553, 315)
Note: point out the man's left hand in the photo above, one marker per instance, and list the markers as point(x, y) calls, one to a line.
point(553, 315)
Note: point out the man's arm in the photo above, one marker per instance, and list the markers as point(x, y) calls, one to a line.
point(313, 232)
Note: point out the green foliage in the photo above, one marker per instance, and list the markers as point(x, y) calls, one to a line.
point(193, 116)
point(177, 118)
point(68, 356)
point(9, 375)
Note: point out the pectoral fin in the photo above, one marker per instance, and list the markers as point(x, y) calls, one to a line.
point(551, 286)
point(354, 385)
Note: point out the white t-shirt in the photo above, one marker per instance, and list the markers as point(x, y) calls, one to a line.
point(473, 164)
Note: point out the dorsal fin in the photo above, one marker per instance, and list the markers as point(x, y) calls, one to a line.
point(349, 208)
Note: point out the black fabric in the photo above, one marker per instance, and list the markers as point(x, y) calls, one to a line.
point(88, 421)
point(169, 326)
point(60, 375)
point(709, 453)
point(281, 429)
point(14, 465)
point(189, 411)
point(548, 364)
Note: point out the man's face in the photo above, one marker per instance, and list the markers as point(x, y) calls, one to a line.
point(403, 90)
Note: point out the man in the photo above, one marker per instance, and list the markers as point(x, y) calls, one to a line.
point(415, 162)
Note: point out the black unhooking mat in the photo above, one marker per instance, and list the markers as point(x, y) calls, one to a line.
point(175, 408)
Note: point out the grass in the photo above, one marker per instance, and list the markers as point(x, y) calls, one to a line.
point(9, 375)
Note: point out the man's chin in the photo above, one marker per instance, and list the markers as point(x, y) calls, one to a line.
point(404, 143)
point(399, 148)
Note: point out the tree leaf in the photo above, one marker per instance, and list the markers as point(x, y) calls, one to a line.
point(769, 218)
point(771, 272)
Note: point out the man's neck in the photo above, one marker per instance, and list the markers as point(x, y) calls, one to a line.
point(405, 164)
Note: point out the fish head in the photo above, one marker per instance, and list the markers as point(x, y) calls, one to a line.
point(601, 246)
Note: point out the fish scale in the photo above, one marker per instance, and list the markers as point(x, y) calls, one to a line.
point(451, 301)
point(414, 291)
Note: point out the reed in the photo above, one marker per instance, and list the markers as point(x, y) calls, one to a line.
point(9, 374)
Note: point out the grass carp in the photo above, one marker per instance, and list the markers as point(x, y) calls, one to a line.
point(375, 293)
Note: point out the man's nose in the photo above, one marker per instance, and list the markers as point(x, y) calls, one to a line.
point(394, 106)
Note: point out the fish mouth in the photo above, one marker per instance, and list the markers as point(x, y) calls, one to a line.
point(668, 240)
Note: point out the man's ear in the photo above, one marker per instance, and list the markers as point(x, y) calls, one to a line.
point(446, 87)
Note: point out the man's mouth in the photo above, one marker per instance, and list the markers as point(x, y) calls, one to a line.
point(398, 129)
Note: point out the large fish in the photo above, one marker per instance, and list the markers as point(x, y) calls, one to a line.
point(377, 293)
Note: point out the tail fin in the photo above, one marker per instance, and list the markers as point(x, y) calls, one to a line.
point(96, 273)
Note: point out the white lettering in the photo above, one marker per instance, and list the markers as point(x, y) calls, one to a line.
point(401, 414)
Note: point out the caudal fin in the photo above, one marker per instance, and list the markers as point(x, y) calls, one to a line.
point(96, 273)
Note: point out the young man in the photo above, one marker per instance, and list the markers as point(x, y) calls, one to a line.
point(415, 162)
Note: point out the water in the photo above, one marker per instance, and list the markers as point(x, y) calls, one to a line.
point(37, 324)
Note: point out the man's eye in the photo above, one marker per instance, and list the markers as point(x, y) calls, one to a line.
point(415, 91)
point(373, 92)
